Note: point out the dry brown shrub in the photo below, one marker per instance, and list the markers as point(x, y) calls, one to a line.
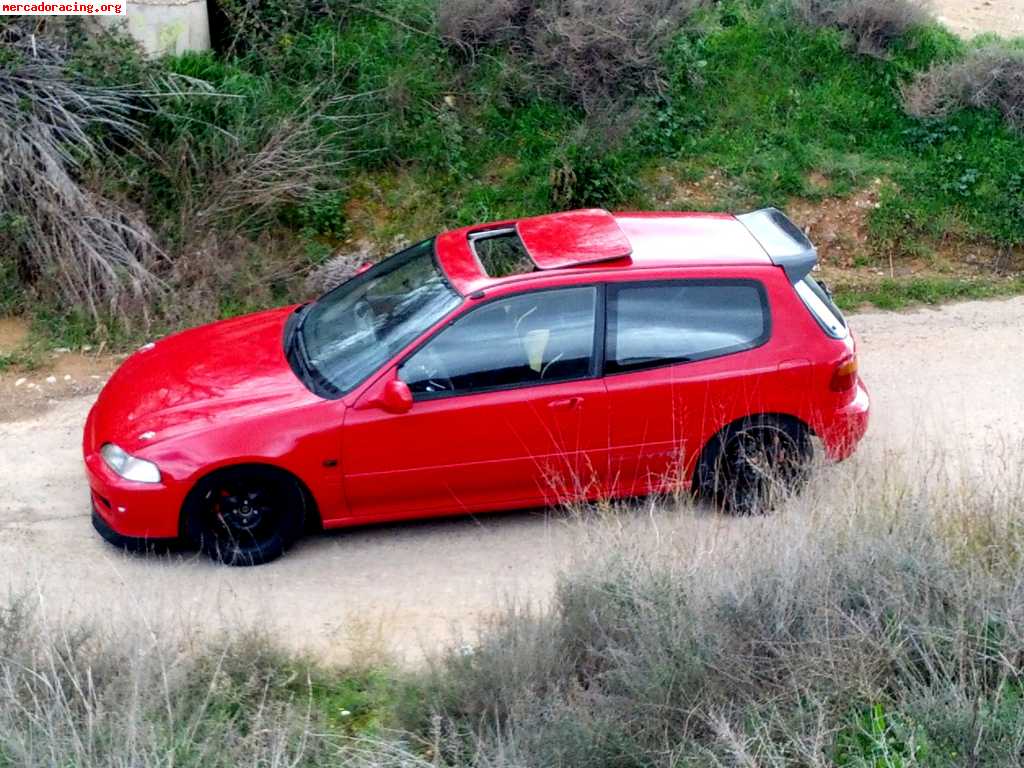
point(986, 78)
point(873, 25)
point(593, 52)
point(337, 269)
point(224, 270)
point(895, 581)
point(241, 180)
point(69, 241)
point(476, 23)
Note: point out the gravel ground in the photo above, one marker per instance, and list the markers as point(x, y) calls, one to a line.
point(941, 379)
point(973, 17)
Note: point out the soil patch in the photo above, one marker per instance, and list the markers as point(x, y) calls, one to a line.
point(13, 334)
point(27, 394)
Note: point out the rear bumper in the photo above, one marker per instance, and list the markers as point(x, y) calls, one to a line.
point(847, 427)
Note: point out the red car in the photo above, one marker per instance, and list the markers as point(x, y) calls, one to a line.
point(573, 356)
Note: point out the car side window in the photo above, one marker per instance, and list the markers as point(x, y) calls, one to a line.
point(528, 339)
point(680, 321)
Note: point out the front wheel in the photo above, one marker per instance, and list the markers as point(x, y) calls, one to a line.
point(754, 465)
point(246, 515)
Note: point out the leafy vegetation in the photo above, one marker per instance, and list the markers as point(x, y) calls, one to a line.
point(329, 127)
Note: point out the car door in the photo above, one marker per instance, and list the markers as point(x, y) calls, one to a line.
point(682, 358)
point(508, 411)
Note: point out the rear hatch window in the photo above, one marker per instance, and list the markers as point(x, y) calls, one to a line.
point(819, 302)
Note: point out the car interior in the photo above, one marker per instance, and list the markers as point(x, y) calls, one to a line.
point(524, 340)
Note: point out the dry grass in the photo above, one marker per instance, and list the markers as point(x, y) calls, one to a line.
point(877, 621)
point(767, 641)
point(86, 249)
point(986, 78)
point(239, 181)
point(63, 141)
point(874, 26)
point(96, 695)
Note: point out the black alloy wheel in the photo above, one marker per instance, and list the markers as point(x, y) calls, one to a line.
point(246, 515)
point(757, 464)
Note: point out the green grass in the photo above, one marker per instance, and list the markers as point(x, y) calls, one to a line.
point(900, 294)
point(775, 102)
point(445, 141)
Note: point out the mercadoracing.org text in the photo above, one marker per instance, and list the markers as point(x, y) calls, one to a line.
point(63, 9)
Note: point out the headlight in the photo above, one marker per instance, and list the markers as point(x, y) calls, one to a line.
point(129, 467)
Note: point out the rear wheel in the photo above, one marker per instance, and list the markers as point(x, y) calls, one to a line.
point(246, 515)
point(754, 465)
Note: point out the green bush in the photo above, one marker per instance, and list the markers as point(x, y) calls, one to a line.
point(588, 177)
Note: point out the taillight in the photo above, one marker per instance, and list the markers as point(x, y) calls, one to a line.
point(844, 378)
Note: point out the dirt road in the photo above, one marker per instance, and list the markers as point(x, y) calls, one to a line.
point(973, 17)
point(949, 377)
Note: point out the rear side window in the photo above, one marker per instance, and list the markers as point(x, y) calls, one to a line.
point(654, 324)
point(820, 303)
point(525, 340)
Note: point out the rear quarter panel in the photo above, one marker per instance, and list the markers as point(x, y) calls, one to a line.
point(662, 418)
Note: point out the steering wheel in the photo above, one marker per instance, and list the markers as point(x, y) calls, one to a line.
point(429, 373)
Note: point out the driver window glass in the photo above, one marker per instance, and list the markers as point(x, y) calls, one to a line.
point(536, 338)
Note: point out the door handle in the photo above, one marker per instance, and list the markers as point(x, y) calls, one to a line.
point(567, 404)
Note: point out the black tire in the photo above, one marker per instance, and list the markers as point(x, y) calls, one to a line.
point(245, 515)
point(753, 465)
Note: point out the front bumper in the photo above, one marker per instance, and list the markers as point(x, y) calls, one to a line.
point(129, 543)
point(842, 433)
point(128, 509)
point(133, 510)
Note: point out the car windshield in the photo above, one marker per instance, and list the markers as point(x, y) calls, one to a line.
point(352, 331)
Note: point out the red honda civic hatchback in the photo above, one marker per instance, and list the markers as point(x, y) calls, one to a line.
point(573, 356)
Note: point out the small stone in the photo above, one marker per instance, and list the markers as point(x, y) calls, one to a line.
point(94, 377)
point(67, 377)
point(87, 348)
point(62, 350)
point(19, 382)
point(51, 379)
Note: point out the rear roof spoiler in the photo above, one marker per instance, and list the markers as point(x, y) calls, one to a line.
point(783, 241)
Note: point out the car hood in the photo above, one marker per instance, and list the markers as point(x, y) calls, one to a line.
point(231, 370)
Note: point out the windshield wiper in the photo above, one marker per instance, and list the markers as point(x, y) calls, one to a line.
point(297, 352)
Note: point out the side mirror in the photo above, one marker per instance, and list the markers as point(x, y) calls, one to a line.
point(396, 397)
